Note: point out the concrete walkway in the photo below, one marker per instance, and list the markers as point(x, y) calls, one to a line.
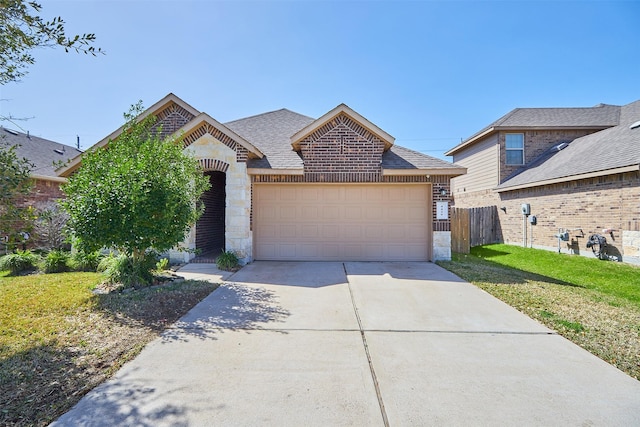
point(358, 344)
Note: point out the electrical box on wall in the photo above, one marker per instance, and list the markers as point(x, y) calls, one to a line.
point(526, 209)
point(533, 220)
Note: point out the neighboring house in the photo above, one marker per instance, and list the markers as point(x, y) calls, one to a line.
point(577, 168)
point(289, 187)
point(46, 156)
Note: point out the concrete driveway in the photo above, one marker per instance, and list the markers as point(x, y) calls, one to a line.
point(358, 344)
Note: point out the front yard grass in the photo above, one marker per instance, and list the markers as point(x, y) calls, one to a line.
point(595, 304)
point(58, 340)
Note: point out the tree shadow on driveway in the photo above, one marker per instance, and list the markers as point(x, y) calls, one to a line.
point(231, 307)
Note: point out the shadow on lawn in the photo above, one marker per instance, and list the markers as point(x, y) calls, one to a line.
point(38, 384)
point(481, 269)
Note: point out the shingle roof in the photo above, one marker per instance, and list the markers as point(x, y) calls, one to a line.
point(271, 133)
point(398, 157)
point(600, 116)
point(43, 153)
point(611, 148)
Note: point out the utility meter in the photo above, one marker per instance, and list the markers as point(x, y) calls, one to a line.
point(533, 220)
point(526, 209)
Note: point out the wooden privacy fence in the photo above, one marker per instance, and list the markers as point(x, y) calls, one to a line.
point(473, 227)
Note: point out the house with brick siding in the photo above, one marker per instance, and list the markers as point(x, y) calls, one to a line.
point(285, 186)
point(576, 168)
point(46, 156)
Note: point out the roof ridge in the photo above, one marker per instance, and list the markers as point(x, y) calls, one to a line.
point(31, 137)
point(601, 105)
point(268, 112)
point(504, 118)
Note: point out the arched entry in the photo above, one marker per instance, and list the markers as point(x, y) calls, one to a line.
point(210, 228)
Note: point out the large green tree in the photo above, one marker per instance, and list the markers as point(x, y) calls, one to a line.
point(22, 30)
point(141, 192)
point(15, 183)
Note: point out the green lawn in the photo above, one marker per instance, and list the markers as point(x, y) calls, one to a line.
point(594, 303)
point(58, 339)
point(611, 278)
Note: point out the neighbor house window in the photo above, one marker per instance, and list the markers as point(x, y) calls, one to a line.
point(514, 144)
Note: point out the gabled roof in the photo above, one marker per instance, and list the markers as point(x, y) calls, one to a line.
point(612, 150)
point(271, 132)
point(600, 116)
point(155, 109)
point(205, 119)
point(43, 153)
point(271, 137)
point(341, 109)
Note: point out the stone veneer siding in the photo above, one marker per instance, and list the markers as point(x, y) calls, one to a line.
point(224, 155)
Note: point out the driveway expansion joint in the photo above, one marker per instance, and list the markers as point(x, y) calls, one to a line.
point(376, 385)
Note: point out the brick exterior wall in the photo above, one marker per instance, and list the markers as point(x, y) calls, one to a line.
point(171, 119)
point(593, 204)
point(476, 199)
point(536, 142)
point(342, 151)
point(42, 192)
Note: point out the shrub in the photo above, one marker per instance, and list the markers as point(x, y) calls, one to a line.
point(56, 261)
point(19, 261)
point(106, 262)
point(85, 261)
point(123, 270)
point(163, 264)
point(227, 261)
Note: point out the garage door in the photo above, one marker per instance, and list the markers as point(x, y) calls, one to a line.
point(338, 222)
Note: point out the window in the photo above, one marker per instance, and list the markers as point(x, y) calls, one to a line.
point(514, 144)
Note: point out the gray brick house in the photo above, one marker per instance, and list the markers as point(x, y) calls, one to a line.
point(289, 187)
point(577, 168)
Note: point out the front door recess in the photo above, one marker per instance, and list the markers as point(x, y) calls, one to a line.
point(210, 227)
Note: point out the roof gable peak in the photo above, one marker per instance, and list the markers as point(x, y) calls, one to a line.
point(341, 109)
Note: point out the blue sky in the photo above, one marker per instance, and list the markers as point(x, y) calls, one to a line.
point(427, 72)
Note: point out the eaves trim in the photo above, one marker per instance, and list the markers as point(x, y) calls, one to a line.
point(268, 171)
point(423, 172)
point(624, 169)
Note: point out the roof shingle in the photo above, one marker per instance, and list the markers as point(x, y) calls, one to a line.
point(611, 148)
point(43, 153)
point(600, 116)
point(270, 133)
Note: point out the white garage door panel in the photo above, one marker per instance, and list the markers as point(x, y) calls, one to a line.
point(342, 222)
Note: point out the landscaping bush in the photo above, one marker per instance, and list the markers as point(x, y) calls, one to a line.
point(163, 264)
point(227, 261)
point(85, 261)
point(123, 270)
point(106, 262)
point(56, 261)
point(18, 262)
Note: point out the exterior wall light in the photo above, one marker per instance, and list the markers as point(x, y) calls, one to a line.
point(443, 192)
